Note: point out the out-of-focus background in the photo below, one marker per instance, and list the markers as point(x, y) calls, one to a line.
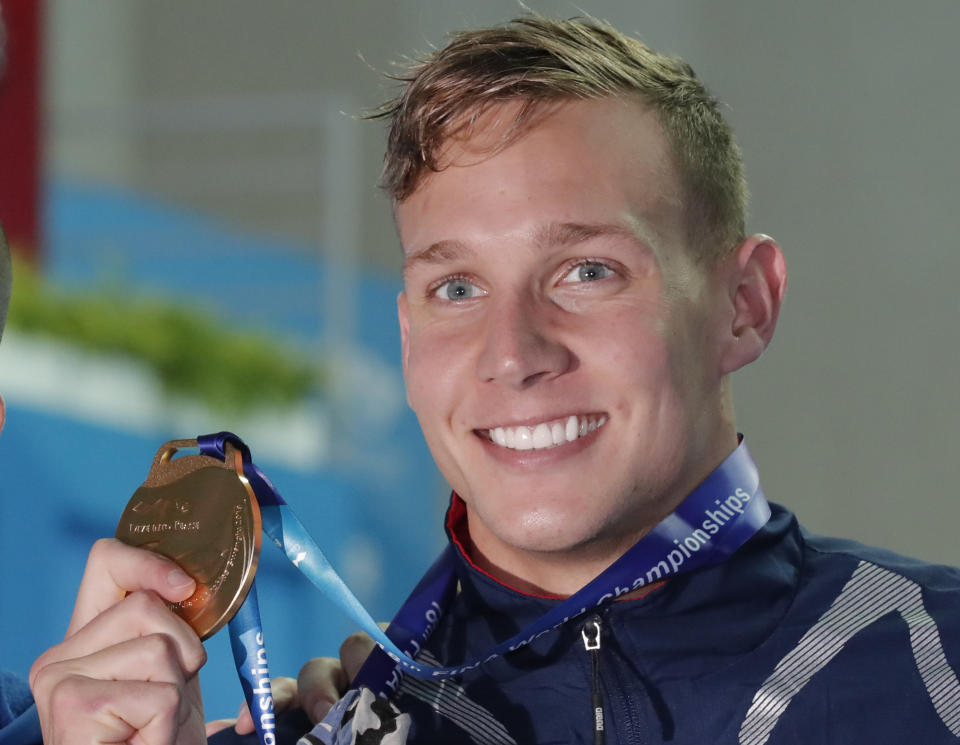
point(201, 247)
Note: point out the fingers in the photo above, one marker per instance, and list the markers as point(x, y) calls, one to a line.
point(321, 682)
point(134, 691)
point(324, 680)
point(84, 710)
point(354, 652)
point(126, 670)
point(285, 697)
point(215, 725)
point(141, 615)
point(152, 656)
point(114, 569)
point(127, 675)
point(244, 722)
point(285, 693)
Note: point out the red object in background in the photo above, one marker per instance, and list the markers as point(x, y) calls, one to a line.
point(20, 130)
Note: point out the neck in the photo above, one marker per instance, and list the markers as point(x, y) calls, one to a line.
point(554, 574)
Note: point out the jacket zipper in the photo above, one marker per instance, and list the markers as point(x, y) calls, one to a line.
point(590, 631)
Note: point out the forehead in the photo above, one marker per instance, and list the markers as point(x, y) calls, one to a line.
point(601, 161)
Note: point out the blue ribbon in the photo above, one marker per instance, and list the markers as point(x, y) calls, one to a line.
point(250, 657)
point(716, 519)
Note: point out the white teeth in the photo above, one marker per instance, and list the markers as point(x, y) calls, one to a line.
point(546, 434)
point(572, 429)
point(524, 439)
point(542, 437)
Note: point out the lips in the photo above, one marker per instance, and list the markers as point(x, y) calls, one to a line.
point(545, 435)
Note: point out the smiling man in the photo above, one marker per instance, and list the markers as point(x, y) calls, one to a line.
point(566, 350)
point(578, 289)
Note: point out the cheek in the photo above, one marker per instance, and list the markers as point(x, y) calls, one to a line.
point(437, 365)
point(690, 350)
point(636, 348)
point(636, 361)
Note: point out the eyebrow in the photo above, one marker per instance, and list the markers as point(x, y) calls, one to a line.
point(571, 233)
point(436, 253)
point(554, 234)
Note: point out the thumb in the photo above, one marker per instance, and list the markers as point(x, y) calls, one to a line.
point(115, 569)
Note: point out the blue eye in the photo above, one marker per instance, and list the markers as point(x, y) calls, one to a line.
point(457, 290)
point(588, 271)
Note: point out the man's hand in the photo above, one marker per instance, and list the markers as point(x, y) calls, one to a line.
point(321, 683)
point(324, 680)
point(126, 672)
point(285, 698)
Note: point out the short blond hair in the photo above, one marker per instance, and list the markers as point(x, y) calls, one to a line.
point(536, 60)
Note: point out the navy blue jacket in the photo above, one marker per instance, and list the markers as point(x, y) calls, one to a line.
point(796, 639)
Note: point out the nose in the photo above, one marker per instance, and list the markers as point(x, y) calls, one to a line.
point(521, 346)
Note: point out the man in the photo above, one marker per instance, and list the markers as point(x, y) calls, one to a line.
point(578, 288)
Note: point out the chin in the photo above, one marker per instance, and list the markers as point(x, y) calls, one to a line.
point(548, 531)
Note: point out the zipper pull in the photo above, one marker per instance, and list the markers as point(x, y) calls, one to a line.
point(590, 631)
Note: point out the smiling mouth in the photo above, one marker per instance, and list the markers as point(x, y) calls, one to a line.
point(545, 435)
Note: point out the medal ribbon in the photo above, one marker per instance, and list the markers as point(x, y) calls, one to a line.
point(716, 519)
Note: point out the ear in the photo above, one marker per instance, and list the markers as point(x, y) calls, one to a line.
point(757, 286)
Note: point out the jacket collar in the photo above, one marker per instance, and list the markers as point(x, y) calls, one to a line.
point(724, 609)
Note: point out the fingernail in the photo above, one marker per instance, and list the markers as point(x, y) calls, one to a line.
point(178, 578)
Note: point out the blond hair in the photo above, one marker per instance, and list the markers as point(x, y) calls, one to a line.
point(536, 60)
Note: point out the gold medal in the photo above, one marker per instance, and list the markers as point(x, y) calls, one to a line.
point(201, 513)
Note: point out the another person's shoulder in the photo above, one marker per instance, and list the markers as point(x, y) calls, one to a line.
point(18, 716)
point(15, 697)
